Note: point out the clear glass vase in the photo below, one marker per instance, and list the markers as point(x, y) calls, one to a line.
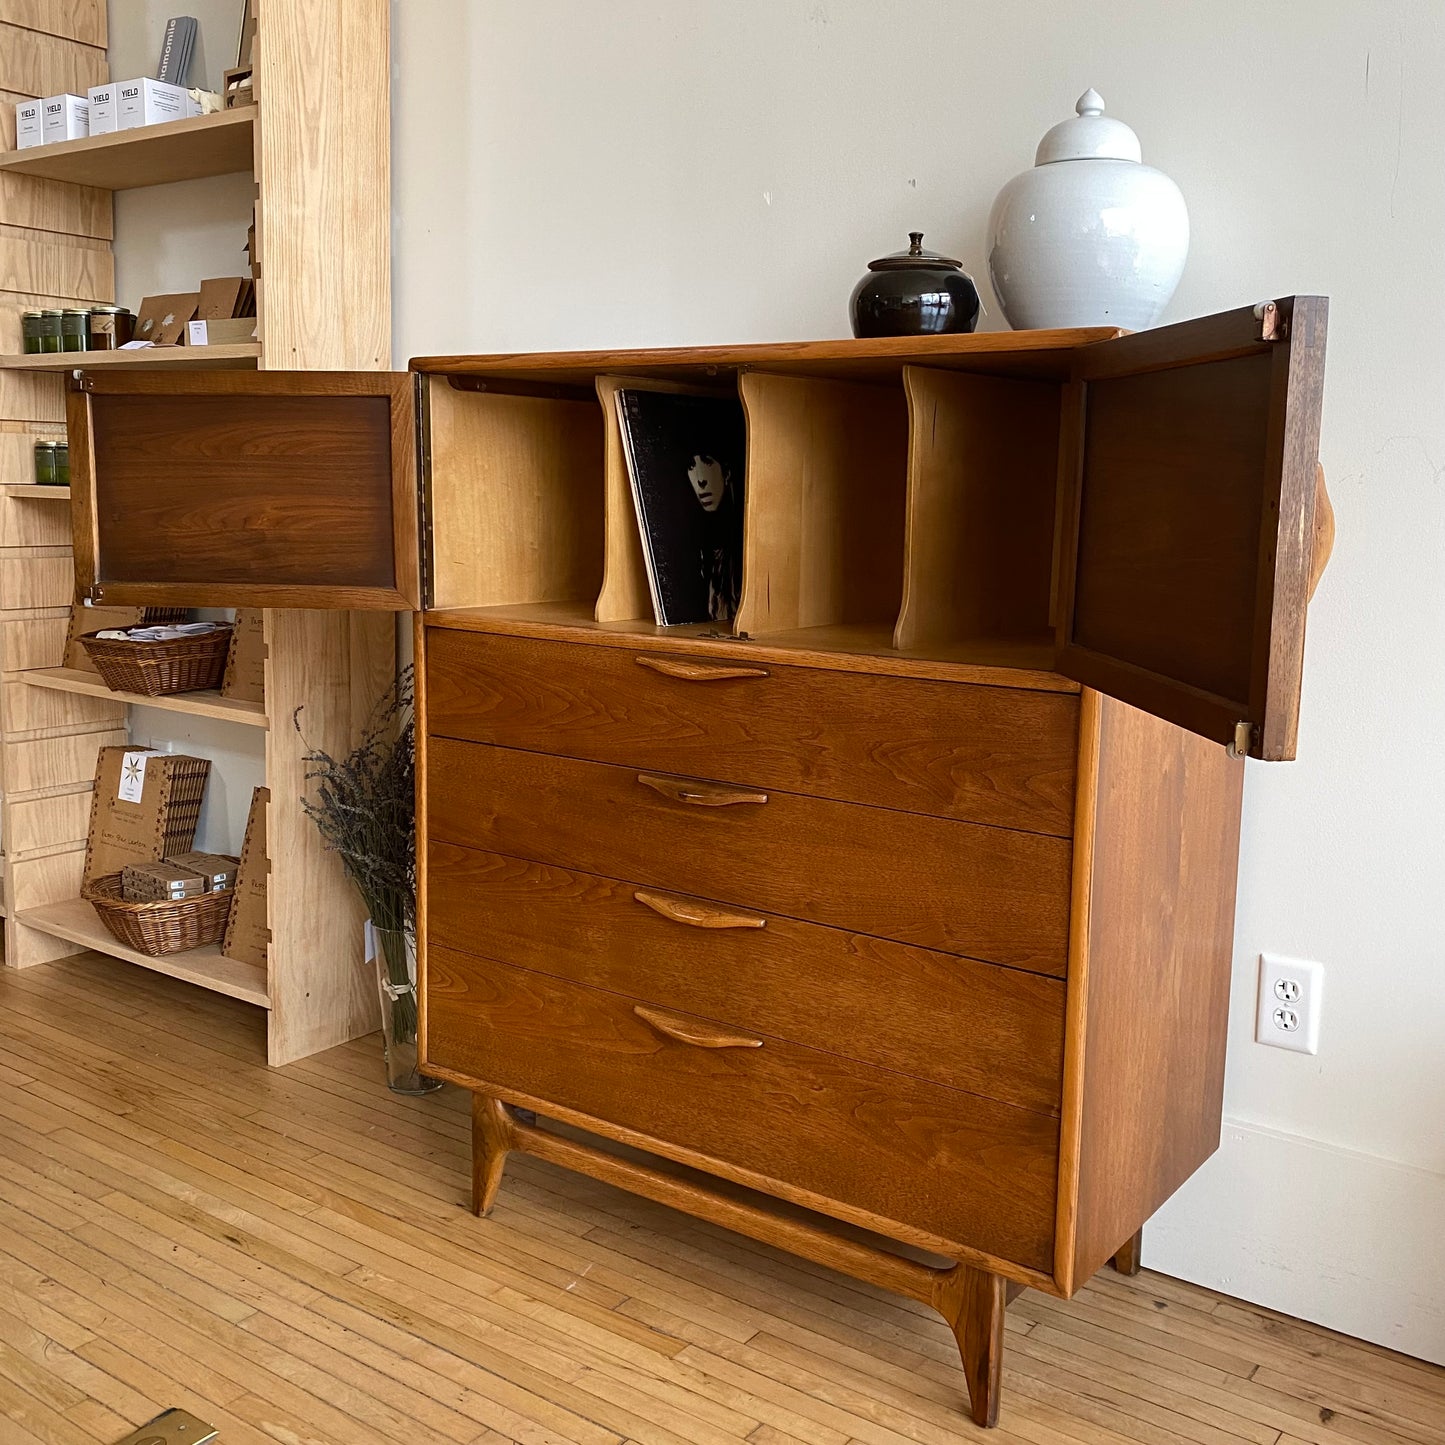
point(392, 953)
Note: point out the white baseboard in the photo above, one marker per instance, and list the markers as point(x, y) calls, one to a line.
point(1346, 1240)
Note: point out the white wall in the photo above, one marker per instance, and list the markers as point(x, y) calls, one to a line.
point(624, 172)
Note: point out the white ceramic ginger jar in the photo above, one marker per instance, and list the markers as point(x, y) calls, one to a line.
point(1090, 236)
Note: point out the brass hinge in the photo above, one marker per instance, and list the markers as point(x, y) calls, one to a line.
point(94, 594)
point(1273, 321)
point(1239, 747)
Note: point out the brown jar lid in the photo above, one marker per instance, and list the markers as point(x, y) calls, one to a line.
point(915, 258)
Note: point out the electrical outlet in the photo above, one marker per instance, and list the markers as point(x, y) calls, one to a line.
point(1290, 990)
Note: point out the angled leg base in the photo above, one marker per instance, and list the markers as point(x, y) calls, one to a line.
point(492, 1138)
point(973, 1302)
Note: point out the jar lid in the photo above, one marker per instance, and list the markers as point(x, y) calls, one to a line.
point(109, 310)
point(76, 311)
point(1089, 135)
point(915, 258)
point(45, 446)
point(52, 313)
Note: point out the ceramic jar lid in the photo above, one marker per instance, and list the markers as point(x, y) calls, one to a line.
point(1089, 135)
point(915, 258)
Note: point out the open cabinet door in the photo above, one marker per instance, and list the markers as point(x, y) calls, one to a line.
point(1187, 489)
point(251, 489)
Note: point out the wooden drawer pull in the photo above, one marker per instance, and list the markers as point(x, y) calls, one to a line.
point(699, 793)
point(698, 671)
point(695, 912)
point(690, 1031)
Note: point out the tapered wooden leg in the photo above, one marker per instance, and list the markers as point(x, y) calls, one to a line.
point(973, 1302)
point(491, 1142)
point(1127, 1260)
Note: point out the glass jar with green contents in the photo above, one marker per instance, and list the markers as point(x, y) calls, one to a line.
point(45, 474)
point(32, 324)
point(62, 464)
point(74, 330)
point(50, 330)
point(110, 327)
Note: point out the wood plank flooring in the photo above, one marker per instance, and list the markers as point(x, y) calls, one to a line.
point(287, 1254)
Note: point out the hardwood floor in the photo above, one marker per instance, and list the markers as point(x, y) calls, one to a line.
point(288, 1255)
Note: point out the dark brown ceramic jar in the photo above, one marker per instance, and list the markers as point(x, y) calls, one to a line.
point(914, 293)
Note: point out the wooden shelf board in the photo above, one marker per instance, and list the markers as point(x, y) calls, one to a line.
point(76, 921)
point(152, 155)
point(34, 491)
point(198, 704)
point(232, 356)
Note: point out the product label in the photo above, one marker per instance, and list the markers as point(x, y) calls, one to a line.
point(132, 777)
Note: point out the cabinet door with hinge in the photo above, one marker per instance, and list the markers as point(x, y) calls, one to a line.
point(1188, 497)
point(258, 489)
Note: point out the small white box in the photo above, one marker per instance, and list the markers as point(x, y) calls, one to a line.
point(103, 101)
point(67, 117)
point(29, 124)
point(150, 102)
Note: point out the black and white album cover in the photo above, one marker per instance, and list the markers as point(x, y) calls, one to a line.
point(685, 457)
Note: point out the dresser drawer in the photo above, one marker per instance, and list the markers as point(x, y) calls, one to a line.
point(1003, 756)
point(983, 892)
point(966, 1170)
point(974, 1026)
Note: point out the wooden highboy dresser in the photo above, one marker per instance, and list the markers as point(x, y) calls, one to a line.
point(893, 925)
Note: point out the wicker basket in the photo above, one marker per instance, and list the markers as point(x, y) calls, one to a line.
point(157, 669)
point(170, 926)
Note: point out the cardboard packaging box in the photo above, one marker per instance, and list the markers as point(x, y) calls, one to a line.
point(67, 117)
point(104, 108)
point(162, 319)
point(224, 332)
point(29, 124)
point(162, 882)
point(216, 869)
point(150, 102)
point(245, 676)
point(248, 933)
point(145, 807)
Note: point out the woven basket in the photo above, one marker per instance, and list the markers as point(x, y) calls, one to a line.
point(169, 926)
point(158, 669)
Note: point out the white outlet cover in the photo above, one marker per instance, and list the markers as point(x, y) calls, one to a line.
point(1290, 994)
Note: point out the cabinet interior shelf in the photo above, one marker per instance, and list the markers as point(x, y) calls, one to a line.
point(199, 704)
point(76, 921)
point(230, 356)
point(152, 155)
point(33, 491)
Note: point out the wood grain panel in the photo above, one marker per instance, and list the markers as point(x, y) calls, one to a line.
point(34, 640)
point(962, 1168)
point(24, 709)
point(74, 273)
point(81, 20)
point(75, 211)
point(982, 892)
point(34, 882)
point(1166, 828)
point(324, 215)
point(211, 481)
point(973, 1026)
point(982, 481)
point(516, 498)
point(47, 825)
point(36, 578)
point(826, 480)
point(25, 396)
point(33, 63)
point(55, 762)
point(985, 755)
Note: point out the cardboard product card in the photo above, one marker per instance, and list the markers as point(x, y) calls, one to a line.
point(248, 929)
point(85, 619)
point(145, 807)
point(159, 882)
point(245, 676)
point(221, 298)
point(162, 319)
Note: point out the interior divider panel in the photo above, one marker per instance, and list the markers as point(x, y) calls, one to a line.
point(982, 500)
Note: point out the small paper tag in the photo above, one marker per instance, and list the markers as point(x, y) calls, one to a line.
point(132, 777)
point(196, 333)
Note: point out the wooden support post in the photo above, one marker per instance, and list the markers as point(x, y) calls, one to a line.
point(1127, 1260)
point(492, 1137)
point(973, 1302)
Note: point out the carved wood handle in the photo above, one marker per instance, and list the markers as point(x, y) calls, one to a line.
point(690, 671)
point(1324, 538)
point(696, 913)
point(700, 794)
point(693, 1031)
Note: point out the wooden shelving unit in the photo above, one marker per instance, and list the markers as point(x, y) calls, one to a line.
point(152, 155)
point(235, 355)
point(322, 231)
point(198, 704)
point(76, 921)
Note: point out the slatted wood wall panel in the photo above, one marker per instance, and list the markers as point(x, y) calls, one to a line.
point(55, 251)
